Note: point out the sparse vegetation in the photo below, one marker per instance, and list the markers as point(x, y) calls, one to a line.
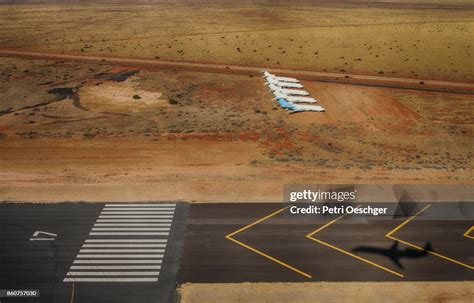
point(354, 38)
point(228, 124)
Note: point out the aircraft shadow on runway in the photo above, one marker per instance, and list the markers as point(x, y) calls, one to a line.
point(394, 253)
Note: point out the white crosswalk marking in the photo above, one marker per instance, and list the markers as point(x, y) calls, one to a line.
point(127, 240)
point(134, 228)
point(137, 212)
point(131, 224)
point(138, 208)
point(136, 216)
point(99, 256)
point(117, 261)
point(113, 273)
point(126, 244)
point(128, 233)
point(138, 220)
point(149, 267)
point(111, 279)
point(152, 206)
point(121, 250)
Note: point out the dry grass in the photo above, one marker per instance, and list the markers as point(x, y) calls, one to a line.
point(367, 135)
point(410, 41)
point(364, 128)
point(202, 137)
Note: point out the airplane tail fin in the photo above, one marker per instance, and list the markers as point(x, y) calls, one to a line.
point(394, 246)
point(428, 247)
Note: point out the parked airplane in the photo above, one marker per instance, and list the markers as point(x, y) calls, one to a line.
point(285, 104)
point(394, 254)
point(307, 108)
point(283, 84)
point(295, 108)
point(294, 92)
point(286, 95)
point(283, 79)
point(279, 95)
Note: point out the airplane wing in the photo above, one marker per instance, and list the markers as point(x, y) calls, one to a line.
point(286, 79)
point(397, 262)
point(283, 79)
point(428, 247)
point(288, 85)
point(302, 99)
point(279, 95)
point(294, 92)
point(274, 87)
point(308, 108)
point(270, 80)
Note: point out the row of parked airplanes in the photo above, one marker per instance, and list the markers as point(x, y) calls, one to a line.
point(289, 94)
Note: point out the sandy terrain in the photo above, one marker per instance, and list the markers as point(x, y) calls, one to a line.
point(328, 292)
point(174, 134)
point(338, 77)
point(417, 40)
point(73, 131)
point(79, 131)
point(133, 170)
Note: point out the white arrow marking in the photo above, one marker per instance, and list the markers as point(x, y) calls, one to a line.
point(36, 234)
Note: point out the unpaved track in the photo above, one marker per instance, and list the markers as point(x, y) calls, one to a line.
point(406, 83)
point(318, 292)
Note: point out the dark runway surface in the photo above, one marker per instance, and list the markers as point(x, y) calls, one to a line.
point(47, 265)
point(352, 248)
point(135, 253)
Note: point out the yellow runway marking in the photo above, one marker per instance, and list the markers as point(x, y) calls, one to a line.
point(389, 235)
point(230, 237)
point(407, 221)
point(468, 233)
point(310, 236)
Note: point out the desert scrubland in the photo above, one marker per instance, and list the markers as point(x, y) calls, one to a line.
point(70, 126)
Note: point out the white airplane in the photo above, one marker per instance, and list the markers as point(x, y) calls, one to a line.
point(279, 95)
point(294, 92)
point(307, 108)
point(283, 79)
point(283, 84)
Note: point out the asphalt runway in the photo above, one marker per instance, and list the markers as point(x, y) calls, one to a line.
point(35, 262)
point(282, 247)
point(86, 252)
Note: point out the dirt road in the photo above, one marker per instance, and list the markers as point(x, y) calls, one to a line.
point(406, 83)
